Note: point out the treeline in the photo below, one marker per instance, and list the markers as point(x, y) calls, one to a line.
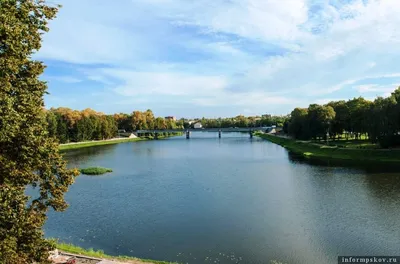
point(239, 121)
point(145, 120)
point(69, 125)
point(378, 120)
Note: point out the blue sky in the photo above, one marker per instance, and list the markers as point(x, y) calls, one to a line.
point(219, 57)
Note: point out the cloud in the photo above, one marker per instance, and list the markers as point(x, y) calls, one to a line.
point(324, 101)
point(164, 83)
point(245, 52)
point(65, 79)
point(382, 90)
point(245, 99)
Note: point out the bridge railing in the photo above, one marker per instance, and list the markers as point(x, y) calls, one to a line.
point(239, 129)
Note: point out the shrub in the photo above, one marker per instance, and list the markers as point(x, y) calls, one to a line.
point(95, 171)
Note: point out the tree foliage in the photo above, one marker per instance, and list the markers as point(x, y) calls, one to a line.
point(238, 121)
point(28, 156)
point(379, 120)
point(69, 125)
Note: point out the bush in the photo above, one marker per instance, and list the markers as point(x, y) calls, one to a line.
point(389, 141)
point(95, 171)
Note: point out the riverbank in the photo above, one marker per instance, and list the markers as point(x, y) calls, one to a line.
point(85, 144)
point(99, 255)
point(317, 151)
point(69, 251)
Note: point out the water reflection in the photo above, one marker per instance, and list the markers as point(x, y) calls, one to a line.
point(82, 155)
point(228, 200)
point(368, 166)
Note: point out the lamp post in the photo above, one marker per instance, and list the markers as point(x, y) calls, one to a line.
point(327, 138)
point(327, 133)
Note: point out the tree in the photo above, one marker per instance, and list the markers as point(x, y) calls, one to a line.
point(298, 126)
point(149, 119)
point(62, 129)
point(28, 156)
point(138, 120)
point(51, 123)
point(358, 108)
point(342, 118)
point(160, 123)
point(319, 119)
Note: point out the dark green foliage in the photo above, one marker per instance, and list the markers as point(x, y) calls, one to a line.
point(389, 141)
point(95, 171)
point(378, 121)
point(319, 119)
point(298, 125)
point(28, 155)
point(238, 121)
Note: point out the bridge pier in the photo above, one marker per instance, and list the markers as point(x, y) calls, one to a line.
point(187, 134)
point(219, 133)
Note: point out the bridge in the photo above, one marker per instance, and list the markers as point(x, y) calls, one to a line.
point(188, 131)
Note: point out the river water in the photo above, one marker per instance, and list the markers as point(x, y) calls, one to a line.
point(229, 200)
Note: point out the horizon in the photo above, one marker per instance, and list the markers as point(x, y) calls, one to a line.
point(219, 58)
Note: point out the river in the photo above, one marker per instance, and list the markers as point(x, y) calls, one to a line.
point(229, 200)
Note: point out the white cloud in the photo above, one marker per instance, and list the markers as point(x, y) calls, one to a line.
point(164, 83)
point(217, 51)
point(65, 79)
point(384, 89)
point(245, 99)
point(324, 101)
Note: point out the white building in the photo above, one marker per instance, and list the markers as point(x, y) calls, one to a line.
point(198, 125)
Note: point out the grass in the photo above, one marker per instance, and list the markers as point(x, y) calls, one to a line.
point(69, 248)
point(355, 143)
point(313, 150)
point(95, 171)
point(96, 143)
point(86, 144)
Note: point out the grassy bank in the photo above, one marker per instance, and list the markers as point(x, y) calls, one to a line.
point(86, 144)
point(97, 143)
point(100, 254)
point(318, 151)
point(69, 248)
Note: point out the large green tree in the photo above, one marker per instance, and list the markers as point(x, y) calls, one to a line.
point(320, 119)
point(298, 125)
point(28, 155)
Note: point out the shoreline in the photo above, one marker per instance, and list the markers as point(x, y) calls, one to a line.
point(93, 143)
point(70, 250)
point(322, 152)
point(85, 144)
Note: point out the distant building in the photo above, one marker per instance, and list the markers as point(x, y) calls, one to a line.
point(173, 118)
point(198, 125)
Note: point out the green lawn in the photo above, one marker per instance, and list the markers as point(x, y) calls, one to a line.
point(314, 150)
point(352, 143)
point(97, 143)
point(86, 144)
